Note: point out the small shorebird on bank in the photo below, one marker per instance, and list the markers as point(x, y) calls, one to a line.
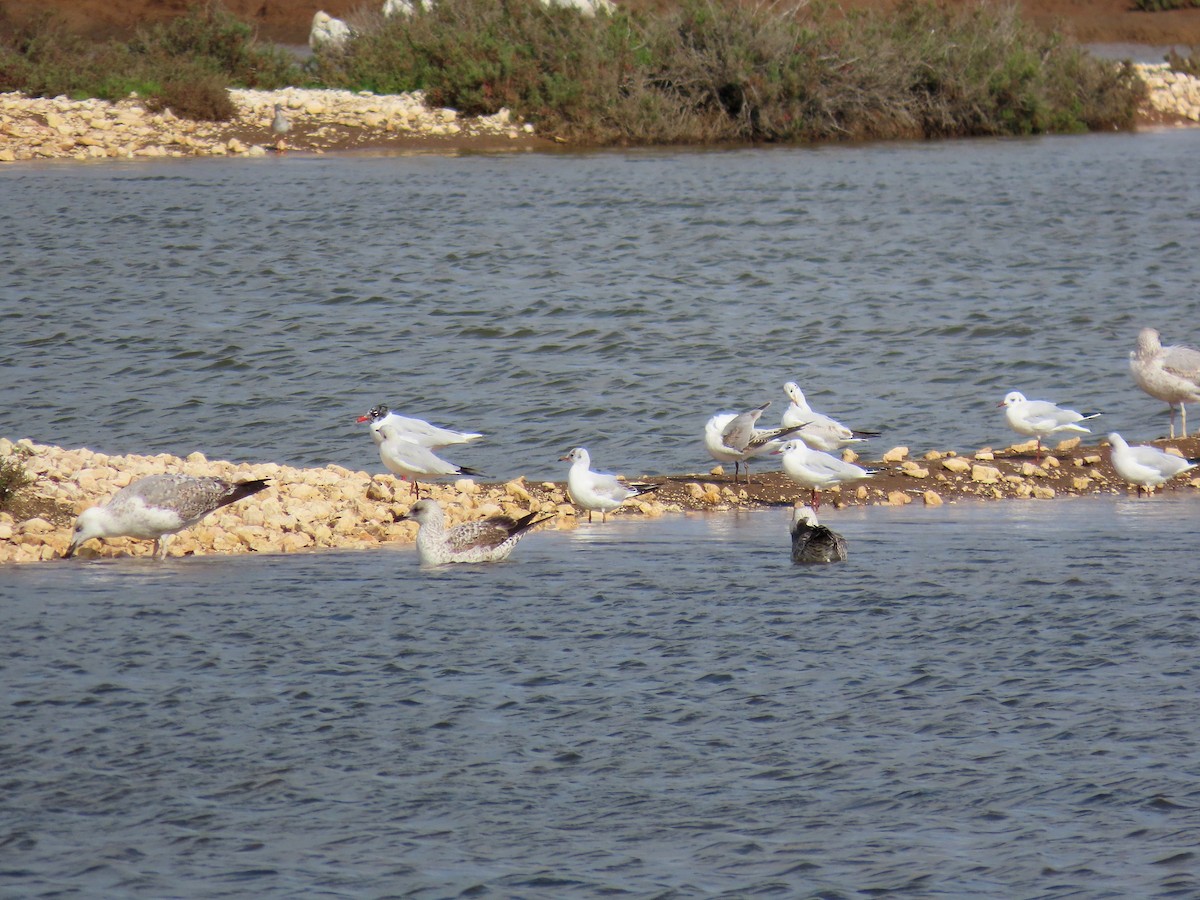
point(1170, 374)
point(158, 506)
point(1040, 418)
point(598, 491)
point(734, 438)
point(817, 470)
point(411, 460)
point(816, 429)
point(418, 431)
point(1144, 466)
point(813, 542)
point(280, 125)
point(488, 540)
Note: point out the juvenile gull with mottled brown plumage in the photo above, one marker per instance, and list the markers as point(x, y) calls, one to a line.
point(488, 540)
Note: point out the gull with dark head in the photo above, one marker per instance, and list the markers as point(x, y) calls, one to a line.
point(488, 540)
point(1041, 418)
point(158, 506)
point(1144, 466)
point(598, 491)
point(1169, 374)
point(418, 431)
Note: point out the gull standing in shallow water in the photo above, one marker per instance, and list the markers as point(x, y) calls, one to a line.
point(733, 438)
point(410, 460)
point(817, 470)
point(157, 506)
point(1040, 418)
point(814, 543)
point(817, 430)
point(489, 540)
point(1146, 467)
point(597, 491)
point(1170, 374)
point(418, 431)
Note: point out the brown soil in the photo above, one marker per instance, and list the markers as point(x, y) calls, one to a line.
point(288, 21)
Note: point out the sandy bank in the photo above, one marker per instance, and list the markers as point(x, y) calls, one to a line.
point(337, 508)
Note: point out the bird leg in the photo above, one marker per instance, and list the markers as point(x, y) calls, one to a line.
point(160, 546)
point(1182, 422)
point(815, 501)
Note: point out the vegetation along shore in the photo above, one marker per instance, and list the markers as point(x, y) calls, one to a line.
point(43, 488)
point(522, 74)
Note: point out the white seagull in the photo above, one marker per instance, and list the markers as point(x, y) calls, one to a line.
point(814, 543)
point(817, 430)
point(488, 540)
point(597, 491)
point(1146, 467)
point(418, 431)
point(817, 470)
point(1170, 374)
point(411, 460)
point(157, 506)
point(733, 438)
point(1040, 418)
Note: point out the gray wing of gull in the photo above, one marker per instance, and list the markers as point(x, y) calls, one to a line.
point(486, 534)
point(1183, 362)
point(188, 496)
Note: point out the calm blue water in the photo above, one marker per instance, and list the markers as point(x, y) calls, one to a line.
point(986, 700)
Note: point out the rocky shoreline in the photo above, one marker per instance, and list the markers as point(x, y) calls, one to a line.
point(35, 128)
point(333, 507)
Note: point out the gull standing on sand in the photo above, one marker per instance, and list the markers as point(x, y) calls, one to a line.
point(1146, 467)
point(817, 430)
point(733, 438)
point(814, 543)
point(489, 540)
point(280, 125)
point(411, 460)
point(157, 506)
point(597, 491)
point(418, 431)
point(817, 470)
point(1170, 374)
point(1040, 418)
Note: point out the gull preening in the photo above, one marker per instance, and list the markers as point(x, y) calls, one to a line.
point(1144, 466)
point(817, 430)
point(813, 542)
point(1041, 418)
point(597, 491)
point(1170, 374)
point(734, 438)
point(488, 540)
point(411, 460)
point(157, 506)
point(417, 431)
point(817, 470)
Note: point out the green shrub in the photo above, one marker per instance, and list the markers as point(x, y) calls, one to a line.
point(1188, 64)
point(13, 477)
point(1163, 5)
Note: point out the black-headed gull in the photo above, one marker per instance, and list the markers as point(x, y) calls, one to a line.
point(413, 461)
point(597, 491)
point(813, 542)
point(817, 470)
point(418, 431)
point(1170, 374)
point(733, 438)
point(817, 430)
point(488, 540)
point(1146, 467)
point(157, 506)
point(1040, 418)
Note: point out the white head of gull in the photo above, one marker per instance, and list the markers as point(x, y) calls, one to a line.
point(1041, 418)
point(1144, 466)
point(1169, 374)
point(157, 506)
point(598, 491)
point(488, 540)
point(411, 460)
point(817, 470)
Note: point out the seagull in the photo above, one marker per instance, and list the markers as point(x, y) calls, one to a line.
point(817, 430)
point(157, 506)
point(1040, 418)
point(1146, 467)
point(409, 459)
point(489, 540)
point(1170, 374)
point(732, 437)
point(431, 437)
point(817, 470)
point(596, 491)
point(281, 125)
point(813, 543)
